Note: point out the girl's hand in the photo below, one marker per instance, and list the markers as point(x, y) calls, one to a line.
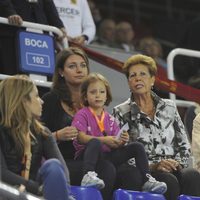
point(112, 142)
point(124, 137)
point(66, 134)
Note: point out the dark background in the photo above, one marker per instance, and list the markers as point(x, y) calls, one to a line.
point(166, 20)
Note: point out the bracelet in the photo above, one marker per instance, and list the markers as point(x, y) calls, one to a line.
point(56, 135)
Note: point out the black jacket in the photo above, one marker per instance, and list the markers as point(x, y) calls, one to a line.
point(54, 117)
point(11, 166)
point(43, 12)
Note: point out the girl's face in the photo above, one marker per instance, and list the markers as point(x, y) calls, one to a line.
point(140, 81)
point(75, 70)
point(96, 95)
point(34, 105)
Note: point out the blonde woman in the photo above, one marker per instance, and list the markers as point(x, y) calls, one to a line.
point(155, 122)
point(24, 142)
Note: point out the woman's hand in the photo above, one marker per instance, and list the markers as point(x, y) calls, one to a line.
point(124, 137)
point(66, 134)
point(167, 165)
point(112, 142)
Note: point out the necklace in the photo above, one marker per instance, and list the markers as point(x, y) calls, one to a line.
point(149, 111)
point(69, 110)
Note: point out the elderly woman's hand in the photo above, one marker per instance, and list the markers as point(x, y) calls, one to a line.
point(166, 165)
point(124, 137)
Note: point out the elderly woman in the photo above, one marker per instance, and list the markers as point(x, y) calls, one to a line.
point(155, 122)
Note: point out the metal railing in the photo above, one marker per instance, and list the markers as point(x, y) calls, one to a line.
point(170, 71)
point(40, 27)
point(37, 81)
point(7, 191)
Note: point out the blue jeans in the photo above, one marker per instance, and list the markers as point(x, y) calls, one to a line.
point(54, 181)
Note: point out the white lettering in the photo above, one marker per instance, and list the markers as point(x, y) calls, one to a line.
point(36, 43)
point(38, 60)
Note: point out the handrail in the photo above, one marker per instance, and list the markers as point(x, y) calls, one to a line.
point(37, 26)
point(7, 191)
point(170, 66)
point(37, 82)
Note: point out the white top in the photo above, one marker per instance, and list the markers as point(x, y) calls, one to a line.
point(76, 17)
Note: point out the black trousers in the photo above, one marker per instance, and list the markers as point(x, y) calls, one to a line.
point(105, 169)
point(93, 154)
point(186, 181)
point(93, 158)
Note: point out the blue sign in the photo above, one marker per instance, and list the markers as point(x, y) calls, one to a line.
point(36, 53)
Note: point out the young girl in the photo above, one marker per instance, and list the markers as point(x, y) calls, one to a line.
point(97, 137)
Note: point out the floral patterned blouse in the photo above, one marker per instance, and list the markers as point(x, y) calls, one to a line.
point(163, 137)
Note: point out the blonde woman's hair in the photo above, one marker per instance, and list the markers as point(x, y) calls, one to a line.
point(92, 78)
point(140, 59)
point(13, 111)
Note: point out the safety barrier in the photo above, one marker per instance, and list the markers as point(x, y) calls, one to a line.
point(36, 26)
point(7, 191)
point(164, 84)
point(170, 69)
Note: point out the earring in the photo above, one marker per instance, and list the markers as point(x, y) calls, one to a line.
point(152, 86)
point(61, 75)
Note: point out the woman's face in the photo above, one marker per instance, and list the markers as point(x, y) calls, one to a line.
point(34, 104)
point(75, 70)
point(140, 81)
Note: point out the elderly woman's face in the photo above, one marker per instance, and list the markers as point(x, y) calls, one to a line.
point(140, 81)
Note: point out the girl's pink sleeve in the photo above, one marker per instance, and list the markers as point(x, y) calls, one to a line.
point(80, 121)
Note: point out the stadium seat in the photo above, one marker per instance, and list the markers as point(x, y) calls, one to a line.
point(121, 194)
point(86, 193)
point(187, 197)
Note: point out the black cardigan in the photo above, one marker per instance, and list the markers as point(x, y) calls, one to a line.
point(55, 118)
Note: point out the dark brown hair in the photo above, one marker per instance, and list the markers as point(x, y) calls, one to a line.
point(59, 85)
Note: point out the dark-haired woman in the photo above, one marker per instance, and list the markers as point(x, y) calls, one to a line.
point(61, 104)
